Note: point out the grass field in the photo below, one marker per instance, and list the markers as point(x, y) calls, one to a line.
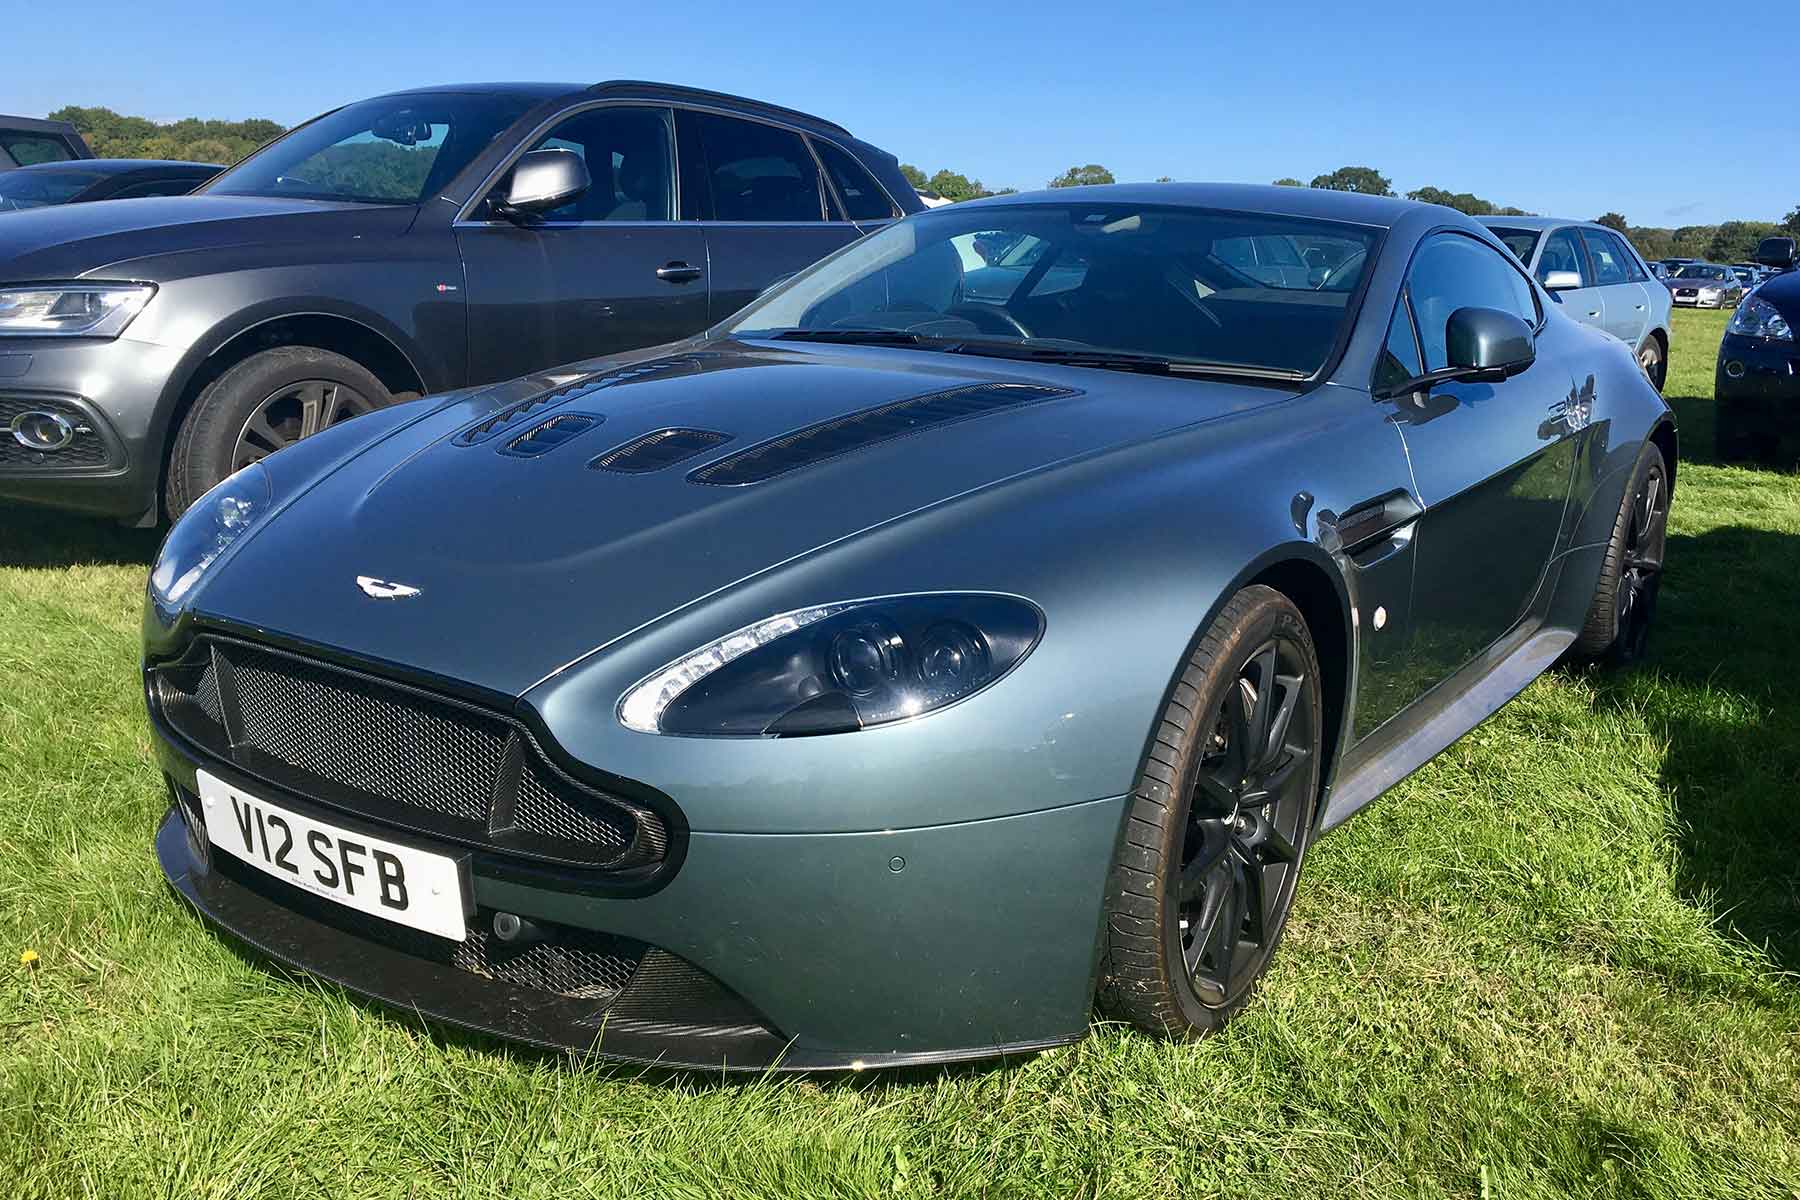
point(1560, 961)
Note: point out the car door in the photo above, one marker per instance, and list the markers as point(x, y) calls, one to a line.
point(767, 210)
point(1623, 308)
point(1563, 251)
point(1492, 463)
point(612, 271)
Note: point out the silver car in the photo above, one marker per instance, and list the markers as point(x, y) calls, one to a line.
point(1599, 278)
point(1706, 285)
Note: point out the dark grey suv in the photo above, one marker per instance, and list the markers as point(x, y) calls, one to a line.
point(411, 243)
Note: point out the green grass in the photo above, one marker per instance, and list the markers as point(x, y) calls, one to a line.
point(1560, 961)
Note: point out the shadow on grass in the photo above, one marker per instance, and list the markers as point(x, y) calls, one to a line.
point(1694, 421)
point(40, 537)
point(1723, 683)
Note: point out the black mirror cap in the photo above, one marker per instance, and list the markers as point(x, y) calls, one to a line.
point(546, 179)
point(1777, 252)
point(1487, 340)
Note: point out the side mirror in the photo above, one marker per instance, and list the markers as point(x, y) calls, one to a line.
point(1562, 281)
point(1776, 252)
point(1488, 343)
point(544, 180)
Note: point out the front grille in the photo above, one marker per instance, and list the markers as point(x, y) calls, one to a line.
point(396, 754)
point(88, 449)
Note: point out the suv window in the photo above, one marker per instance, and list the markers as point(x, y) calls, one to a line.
point(1605, 257)
point(1450, 272)
point(630, 157)
point(863, 198)
point(28, 149)
point(759, 172)
point(1634, 270)
point(1561, 253)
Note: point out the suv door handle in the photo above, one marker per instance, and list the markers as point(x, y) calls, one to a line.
point(677, 272)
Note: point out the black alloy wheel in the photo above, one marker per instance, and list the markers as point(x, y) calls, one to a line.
point(297, 410)
point(1617, 630)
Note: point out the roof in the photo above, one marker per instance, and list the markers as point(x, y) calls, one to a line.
point(635, 89)
point(1537, 222)
point(1319, 203)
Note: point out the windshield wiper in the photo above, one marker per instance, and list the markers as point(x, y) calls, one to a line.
point(862, 337)
point(1115, 360)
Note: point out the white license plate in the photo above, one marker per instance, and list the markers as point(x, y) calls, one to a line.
point(384, 879)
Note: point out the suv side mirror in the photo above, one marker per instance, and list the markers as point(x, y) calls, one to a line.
point(1776, 252)
point(1484, 345)
point(544, 180)
point(1562, 281)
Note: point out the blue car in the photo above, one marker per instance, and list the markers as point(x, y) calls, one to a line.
point(898, 668)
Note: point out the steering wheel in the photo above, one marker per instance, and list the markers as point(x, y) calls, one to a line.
point(989, 319)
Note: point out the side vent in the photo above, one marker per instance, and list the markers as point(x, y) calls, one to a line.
point(856, 431)
point(654, 451)
point(541, 439)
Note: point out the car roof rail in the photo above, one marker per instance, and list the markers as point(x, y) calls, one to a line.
point(743, 102)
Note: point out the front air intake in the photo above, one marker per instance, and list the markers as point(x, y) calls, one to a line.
point(857, 431)
point(654, 451)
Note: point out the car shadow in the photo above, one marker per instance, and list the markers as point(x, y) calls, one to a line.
point(1722, 684)
point(37, 537)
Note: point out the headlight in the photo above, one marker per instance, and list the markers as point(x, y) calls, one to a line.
point(838, 667)
point(71, 309)
point(1757, 318)
point(208, 529)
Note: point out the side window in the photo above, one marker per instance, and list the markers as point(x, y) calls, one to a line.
point(1561, 253)
point(1605, 257)
point(863, 198)
point(1634, 270)
point(759, 172)
point(630, 158)
point(1450, 272)
point(158, 187)
point(29, 149)
point(1399, 359)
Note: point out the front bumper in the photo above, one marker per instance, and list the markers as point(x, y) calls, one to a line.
point(1696, 300)
point(1756, 386)
point(110, 391)
point(793, 952)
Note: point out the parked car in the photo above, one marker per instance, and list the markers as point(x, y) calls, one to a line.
point(1599, 278)
point(1747, 274)
point(1756, 385)
point(407, 244)
point(28, 140)
point(1705, 285)
point(1672, 265)
point(1657, 269)
point(81, 180)
point(875, 678)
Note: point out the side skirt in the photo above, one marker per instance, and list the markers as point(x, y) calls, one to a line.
point(1456, 706)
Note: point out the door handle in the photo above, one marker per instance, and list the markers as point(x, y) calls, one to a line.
point(677, 272)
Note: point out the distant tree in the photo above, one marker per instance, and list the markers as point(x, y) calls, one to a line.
point(1366, 180)
point(1510, 211)
point(1613, 220)
point(1791, 222)
point(913, 175)
point(1288, 181)
point(1082, 176)
point(954, 185)
point(1735, 241)
point(115, 136)
point(1465, 202)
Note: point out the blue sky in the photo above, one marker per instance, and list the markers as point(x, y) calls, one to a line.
point(1542, 106)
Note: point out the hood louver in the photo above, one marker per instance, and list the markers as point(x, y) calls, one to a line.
point(654, 451)
point(541, 439)
point(510, 417)
point(819, 443)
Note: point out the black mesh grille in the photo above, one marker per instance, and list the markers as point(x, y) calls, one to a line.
point(397, 754)
point(855, 431)
point(88, 449)
point(654, 451)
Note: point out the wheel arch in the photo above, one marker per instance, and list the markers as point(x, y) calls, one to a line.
point(1664, 436)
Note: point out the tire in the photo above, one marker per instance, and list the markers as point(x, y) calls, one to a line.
point(1618, 623)
point(1175, 963)
point(1653, 362)
point(294, 390)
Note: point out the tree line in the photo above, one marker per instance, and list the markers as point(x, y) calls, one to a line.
point(112, 135)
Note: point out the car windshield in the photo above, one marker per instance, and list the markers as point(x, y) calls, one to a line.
point(1243, 293)
point(1702, 272)
point(1520, 241)
point(37, 188)
point(392, 150)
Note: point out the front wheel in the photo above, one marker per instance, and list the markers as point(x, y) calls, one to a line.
point(1618, 624)
point(1651, 361)
point(1221, 817)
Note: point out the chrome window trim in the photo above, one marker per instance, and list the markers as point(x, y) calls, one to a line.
point(464, 220)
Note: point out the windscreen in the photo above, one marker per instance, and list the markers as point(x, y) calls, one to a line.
point(391, 150)
point(1520, 241)
point(1186, 284)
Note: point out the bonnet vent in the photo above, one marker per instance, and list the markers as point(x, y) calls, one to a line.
point(541, 439)
point(510, 417)
point(654, 451)
point(856, 431)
